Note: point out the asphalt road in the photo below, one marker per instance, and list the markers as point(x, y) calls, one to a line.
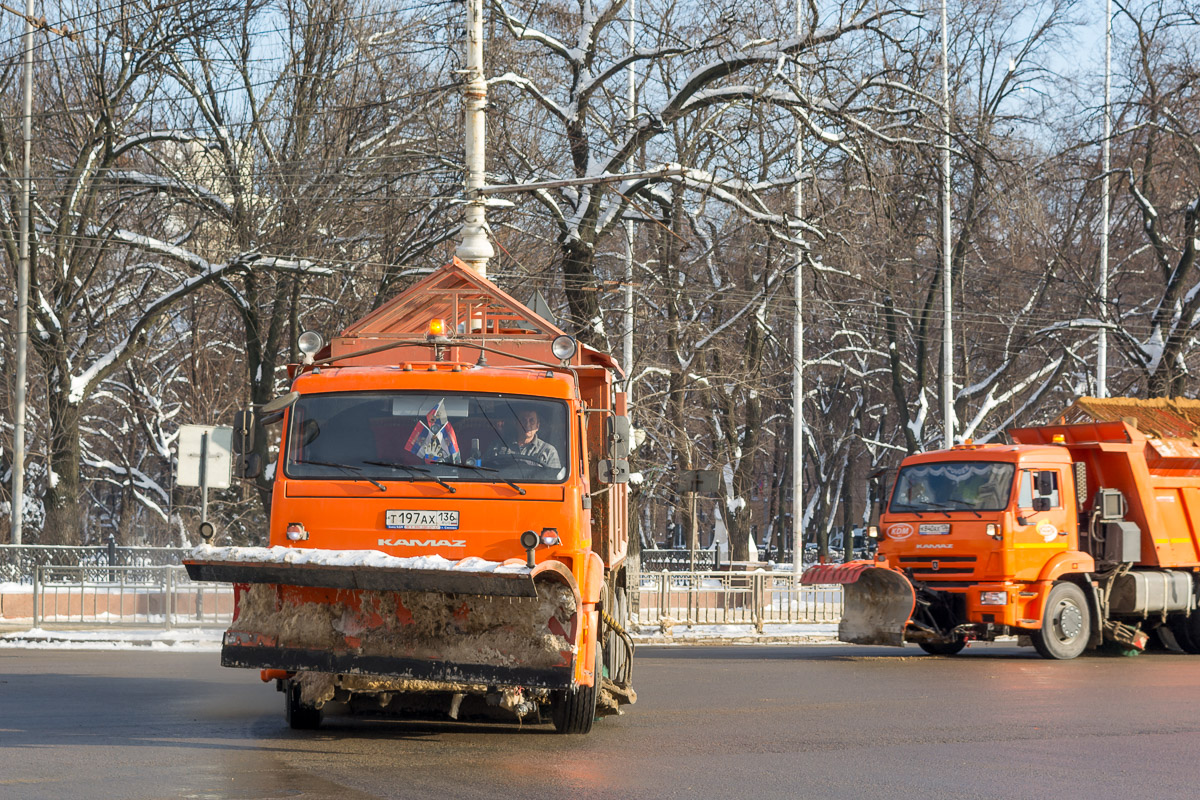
point(711, 722)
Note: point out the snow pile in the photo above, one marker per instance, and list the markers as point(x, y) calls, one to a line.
point(199, 640)
point(354, 558)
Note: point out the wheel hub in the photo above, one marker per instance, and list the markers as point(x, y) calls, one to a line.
point(1070, 621)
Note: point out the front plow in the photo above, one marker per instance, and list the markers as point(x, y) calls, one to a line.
point(426, 624)
point(877, 602)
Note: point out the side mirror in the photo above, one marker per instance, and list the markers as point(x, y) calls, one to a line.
point(243, 432)
point(250, 466)
point(612, 470)
point(1041, 504)
point(1045, 483)
point(620, 436)
point(280, 403)
point(246, 463)
point(272, 412)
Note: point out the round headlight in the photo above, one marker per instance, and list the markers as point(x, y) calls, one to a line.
point(529, 540)
point(310, 343)
point(563, 347)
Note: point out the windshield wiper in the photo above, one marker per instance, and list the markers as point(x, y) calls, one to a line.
point(481, 469)
point(350, 468)
point(938, 507)
point(411, 468)
point(968, 506)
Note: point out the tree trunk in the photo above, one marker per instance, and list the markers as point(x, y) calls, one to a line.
point(847, 514)
point(583, 295)
point(64, 515)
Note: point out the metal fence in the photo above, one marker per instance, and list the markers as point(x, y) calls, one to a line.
point(161, 596)
point(18, 562)
point(667, 599)
point(677, 560)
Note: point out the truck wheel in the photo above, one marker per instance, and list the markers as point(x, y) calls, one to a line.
point(944, 648)
point(300, 715)
point(1187, 632)
point(1066, 625)
point(574, 710)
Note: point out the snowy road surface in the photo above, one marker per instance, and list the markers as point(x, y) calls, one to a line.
point(712, 722)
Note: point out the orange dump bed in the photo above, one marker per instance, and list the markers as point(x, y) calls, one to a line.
point(1153, 458)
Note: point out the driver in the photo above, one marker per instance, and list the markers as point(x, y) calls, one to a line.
point(525, 442)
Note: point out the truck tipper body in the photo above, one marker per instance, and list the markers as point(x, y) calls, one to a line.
point(1075, 534)
point(448, 520)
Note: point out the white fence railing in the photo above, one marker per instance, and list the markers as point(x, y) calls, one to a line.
point(17, 561)
point(731, 598)
point(161, 596)
point(164, 596)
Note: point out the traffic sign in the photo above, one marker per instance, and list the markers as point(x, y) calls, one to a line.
point(219, 448)
point(702, 481)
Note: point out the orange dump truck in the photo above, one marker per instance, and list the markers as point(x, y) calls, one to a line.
point(1075, 534)
point(448, 519)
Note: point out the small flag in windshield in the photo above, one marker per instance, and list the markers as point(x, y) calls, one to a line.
point(434, 439)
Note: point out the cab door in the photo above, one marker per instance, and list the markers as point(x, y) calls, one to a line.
point(1040, 528)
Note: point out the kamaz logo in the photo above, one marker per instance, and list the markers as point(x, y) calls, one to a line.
point(422, 542)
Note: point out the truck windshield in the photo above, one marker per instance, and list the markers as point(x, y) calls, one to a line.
point(422, 436)
point(953, 486)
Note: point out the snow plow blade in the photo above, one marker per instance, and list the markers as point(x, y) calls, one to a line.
point(428, 622)
point(257, 652)
point(383, 578)
point(877, 602)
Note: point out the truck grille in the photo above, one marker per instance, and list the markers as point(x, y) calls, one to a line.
point(938, 567)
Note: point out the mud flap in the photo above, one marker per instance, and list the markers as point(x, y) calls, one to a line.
point(877, 602)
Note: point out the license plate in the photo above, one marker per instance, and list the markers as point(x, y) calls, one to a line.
point(934, 529)
point(422, 520)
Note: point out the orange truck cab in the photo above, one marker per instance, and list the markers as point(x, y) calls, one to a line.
point(448, 519)
point(1073, 535)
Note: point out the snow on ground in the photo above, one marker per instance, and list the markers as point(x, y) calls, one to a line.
point(189, 640)
point(193, 640)
point(680, 634)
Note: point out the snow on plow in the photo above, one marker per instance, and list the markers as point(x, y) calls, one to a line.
point(367, 613)
point(877, 602)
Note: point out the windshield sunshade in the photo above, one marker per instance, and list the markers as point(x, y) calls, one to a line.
point(421, 436)
point(953, 486)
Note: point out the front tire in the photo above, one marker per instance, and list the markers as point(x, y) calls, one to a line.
point(950, 648)
point(1066, 624)
point(300, 716)
point(574, 709)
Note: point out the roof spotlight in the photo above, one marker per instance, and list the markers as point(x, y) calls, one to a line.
point(310, 343)
point(563, 347)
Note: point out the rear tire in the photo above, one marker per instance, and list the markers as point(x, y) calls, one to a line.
point(1187, 632)
point(300, 716)
point(944, 648)
point(574, 710)
point(1066, 624)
